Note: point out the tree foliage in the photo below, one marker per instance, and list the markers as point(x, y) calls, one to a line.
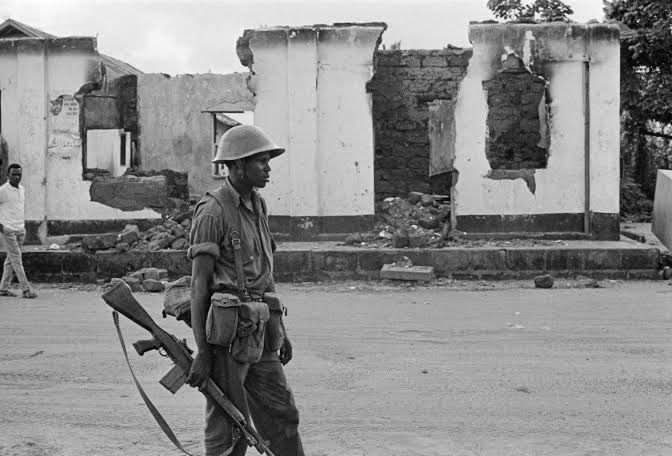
point(646, 57)
point(646, 86)
point(530, 10)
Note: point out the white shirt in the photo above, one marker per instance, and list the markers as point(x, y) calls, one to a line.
point(12, 204)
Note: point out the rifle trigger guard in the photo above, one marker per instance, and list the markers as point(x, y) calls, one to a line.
point(162, 352)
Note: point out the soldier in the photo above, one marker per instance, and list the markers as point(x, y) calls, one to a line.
point(232, 257)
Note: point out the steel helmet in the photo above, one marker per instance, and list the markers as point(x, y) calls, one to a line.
point(243, 141)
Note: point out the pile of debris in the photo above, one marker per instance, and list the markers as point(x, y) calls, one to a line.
point(171, 234)
point(419, 220)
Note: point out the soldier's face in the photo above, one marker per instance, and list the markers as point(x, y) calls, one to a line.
point(258, 170)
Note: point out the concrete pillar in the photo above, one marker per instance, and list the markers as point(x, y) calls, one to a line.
point(310, 96)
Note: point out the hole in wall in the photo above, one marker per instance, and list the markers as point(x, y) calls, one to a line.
point(517, 122)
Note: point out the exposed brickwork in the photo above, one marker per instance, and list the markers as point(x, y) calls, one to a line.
point(404, 85)
point(514, 122)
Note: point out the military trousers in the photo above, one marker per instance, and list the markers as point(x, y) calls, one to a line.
point(259, 391)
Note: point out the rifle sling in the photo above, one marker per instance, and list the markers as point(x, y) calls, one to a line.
point(155, 413)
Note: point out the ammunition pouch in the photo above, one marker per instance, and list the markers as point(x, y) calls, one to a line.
point(240, 326)
point(275, 330)
point(221, 323)
point(248, 345)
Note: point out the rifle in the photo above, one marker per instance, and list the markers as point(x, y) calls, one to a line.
point(121, 299)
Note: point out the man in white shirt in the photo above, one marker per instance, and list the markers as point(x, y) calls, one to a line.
point(12, 227)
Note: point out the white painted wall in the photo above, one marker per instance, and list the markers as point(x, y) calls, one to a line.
point(662, 208)
point(33, 74)
point(310, 86)
point(560, 186)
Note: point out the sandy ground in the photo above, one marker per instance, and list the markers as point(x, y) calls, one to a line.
point(466, 369)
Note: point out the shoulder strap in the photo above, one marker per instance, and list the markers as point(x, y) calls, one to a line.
point(235, 242)
point(155, 413)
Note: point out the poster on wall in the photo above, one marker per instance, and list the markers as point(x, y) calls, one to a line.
point(64, 123)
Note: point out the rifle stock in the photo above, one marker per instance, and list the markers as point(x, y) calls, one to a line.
point(121, 299)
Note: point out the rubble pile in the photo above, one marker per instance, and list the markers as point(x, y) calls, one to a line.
point(419, 220)
point(171, 234)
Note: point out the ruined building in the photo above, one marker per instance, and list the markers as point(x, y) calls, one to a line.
point(522, 130)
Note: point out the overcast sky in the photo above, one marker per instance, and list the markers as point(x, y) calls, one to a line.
point(199, 36)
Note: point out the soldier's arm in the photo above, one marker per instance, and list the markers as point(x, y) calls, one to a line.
point(206, 232)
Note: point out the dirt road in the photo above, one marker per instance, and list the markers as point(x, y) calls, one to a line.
point(378, 371)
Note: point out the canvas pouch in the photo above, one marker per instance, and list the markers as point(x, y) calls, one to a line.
point(221, 324)
point(275, 332)
point(248, 343)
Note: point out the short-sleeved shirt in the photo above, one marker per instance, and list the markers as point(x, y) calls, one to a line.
point(210, 234)
point(12, 206)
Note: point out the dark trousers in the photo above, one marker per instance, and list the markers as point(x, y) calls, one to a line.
point(258, 390)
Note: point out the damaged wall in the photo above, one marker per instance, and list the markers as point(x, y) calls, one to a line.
point(40, 122)
point(310, 96)
point(406, 86)
point(571, 58)
point(174, 133)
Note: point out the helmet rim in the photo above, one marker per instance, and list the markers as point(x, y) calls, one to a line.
point(243, 141)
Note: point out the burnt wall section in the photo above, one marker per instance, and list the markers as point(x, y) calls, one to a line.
point(113, 106)
point(404, 86)
point(157, 190)
point(517, 122)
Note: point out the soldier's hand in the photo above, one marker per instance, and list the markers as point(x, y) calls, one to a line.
point(285, 351)
point(200, 370)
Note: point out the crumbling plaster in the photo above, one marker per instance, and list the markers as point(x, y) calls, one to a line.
point(310, 96)
point(557, 52)
point(40, 122)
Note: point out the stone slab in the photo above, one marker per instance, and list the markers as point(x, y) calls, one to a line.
point(662, 208)
point(411, 273)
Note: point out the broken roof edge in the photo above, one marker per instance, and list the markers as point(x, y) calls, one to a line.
point(607, 25)
point(335, 25)
point(243, 43)
point(516, 32)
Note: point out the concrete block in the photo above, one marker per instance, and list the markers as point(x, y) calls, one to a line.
point(99, 241)
point(413, 273)
point(129, 235)
point(662, 208)
point(130, 193)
